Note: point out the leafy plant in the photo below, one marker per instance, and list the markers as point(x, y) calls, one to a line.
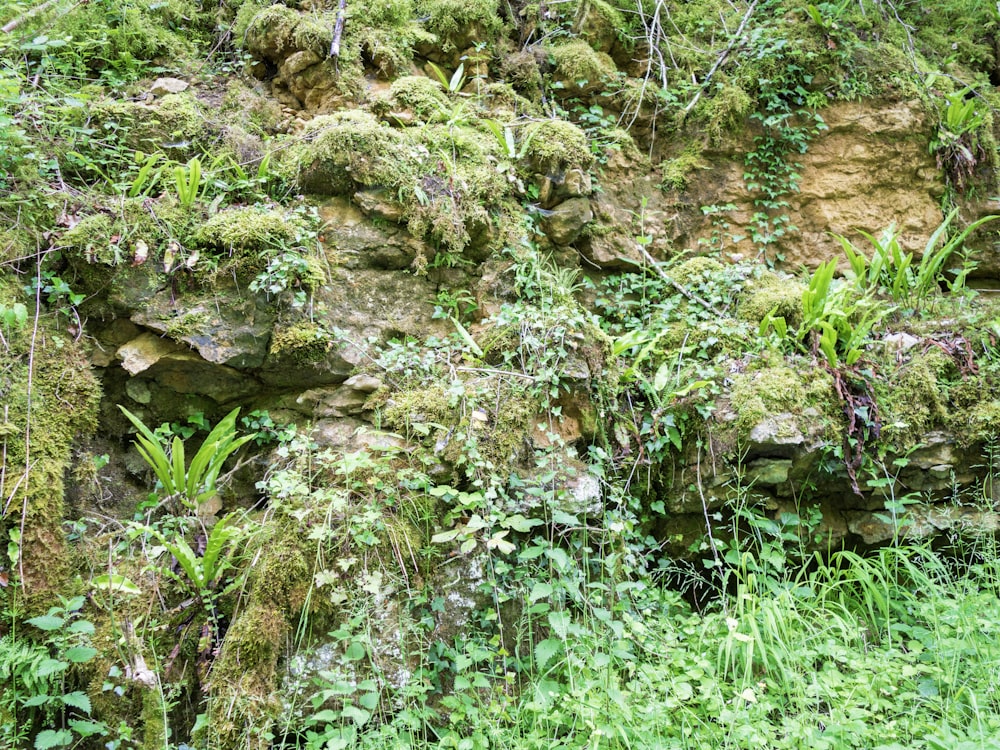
point(202, 573)
point(187, 180)
point(891, 270)
point(36, 680)
point(195, 483)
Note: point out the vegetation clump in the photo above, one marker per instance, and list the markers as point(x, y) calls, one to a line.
point(555, 146)
point(420, 95)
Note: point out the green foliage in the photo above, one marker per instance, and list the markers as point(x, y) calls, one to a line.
point(37, 677)
point(202, 573)
point(191, 484)
point(891, 271)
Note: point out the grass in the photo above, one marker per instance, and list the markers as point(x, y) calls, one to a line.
point(895, 650)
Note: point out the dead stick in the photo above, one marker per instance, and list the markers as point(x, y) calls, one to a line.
point(663, 275)
point(11, 25)
point(722, 58)
point(338, 29)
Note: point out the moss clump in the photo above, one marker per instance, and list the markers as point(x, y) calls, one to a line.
point(460, 23)
point(675, 172)
point(172, 119)
point(278, 31)
point(420, 95)
point(345, 149)
point(388, 35)
point(479, 438)
point(603, 25)
point(243, 684)
point(554, 146)
point(581, 67)
point(447, 187)
point(913, 399)
point(15, 244)
point(772, 294)
point(51, 397)
point(696, 270)
point(725, 112)
point(248, 230)
point(779, 389)
point(304, 342)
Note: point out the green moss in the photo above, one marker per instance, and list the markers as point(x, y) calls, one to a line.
point(777, 389)
point(172, 119)
point(243, 684)
point(460, 23)
point(696, 270)
point(913, 400)
point(248, 230)
point(154, 721)
point(345, 149)
point(603, 25)
point(15, 244)
point(675, 172)
point(477, 437)
point(725, 112)
point(578, 65)
point(51, 398)
point(449, 190)
point(554, 146)
point(421, 95)
point(771, 293)
point(303, 342)
point(273, 33)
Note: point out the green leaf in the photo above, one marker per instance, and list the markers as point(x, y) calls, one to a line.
point(519, 523)
point(546, 650)
point(47, 622)
point(326, 716)
point(358, 715)
point(369, 700)
point(77, 699)
point(559, 621)
point(87, 728)
point(355, 651)
point(49, 738)
point(540, 591)
point(80, 654)
point(51, 667)
point(115, 582)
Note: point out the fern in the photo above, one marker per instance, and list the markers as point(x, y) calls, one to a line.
point(193, 484)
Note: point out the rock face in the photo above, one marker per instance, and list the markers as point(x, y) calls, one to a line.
point(870, 169)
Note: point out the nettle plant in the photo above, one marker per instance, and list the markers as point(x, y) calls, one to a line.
point(37, 698)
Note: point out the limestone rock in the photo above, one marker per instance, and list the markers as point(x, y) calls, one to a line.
point(145, 350)
point(164, 86)
point(566, 221)
point(368, 307)
point(234, 333)
point(354, 242)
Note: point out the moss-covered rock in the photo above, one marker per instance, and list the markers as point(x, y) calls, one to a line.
point(347, 149)
point(555, 146)
point(580, 68)
point(421, 96)
point(51, 397)
point(243, 682)
point(458, 24)
point(248, 230)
